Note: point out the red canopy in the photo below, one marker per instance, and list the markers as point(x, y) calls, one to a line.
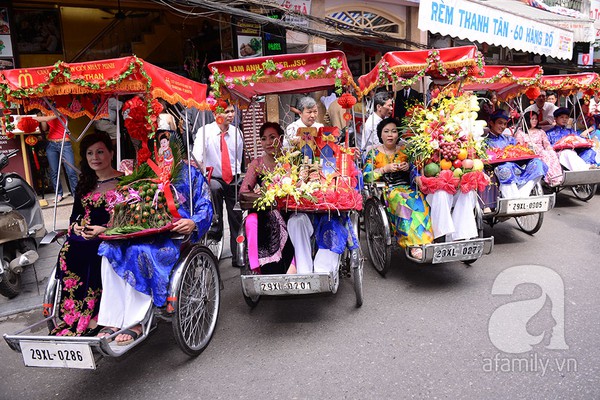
point(80, 88)
point(506, 81)
point(407, 67)
point(569, 84)
point(287, 73)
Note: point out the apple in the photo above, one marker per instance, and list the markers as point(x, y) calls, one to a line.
point(477, 165)
point(457, 163)
point(467, 163)
point(462, 154)
point(458, 172)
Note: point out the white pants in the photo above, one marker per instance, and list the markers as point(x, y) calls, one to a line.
point(300, 230)
point(511, 191)
point(458, 223)
point(571, 160)
point(120, 305)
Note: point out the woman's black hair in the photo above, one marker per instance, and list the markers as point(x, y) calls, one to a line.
point(163, 134)
point(383, 123)
point(88, 178)
point(267, 125)
point(527, 118)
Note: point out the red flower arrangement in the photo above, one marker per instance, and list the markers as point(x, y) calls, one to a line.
point(141, 121)
point(27, 125)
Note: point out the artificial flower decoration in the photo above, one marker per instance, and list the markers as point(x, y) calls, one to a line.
point(141, 122)
point(297, 185)
point(27, 125)
point(447, 139)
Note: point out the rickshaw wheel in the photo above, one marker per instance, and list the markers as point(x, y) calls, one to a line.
point(375, 228)
point(53, 288)
point(216, 246)
point(197, 307)
point(584, 192)
point(532, 223)
point(356, 263)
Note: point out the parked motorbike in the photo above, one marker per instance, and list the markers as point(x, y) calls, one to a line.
point(21, 228)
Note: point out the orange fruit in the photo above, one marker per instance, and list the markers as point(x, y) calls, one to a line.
point(445, 164)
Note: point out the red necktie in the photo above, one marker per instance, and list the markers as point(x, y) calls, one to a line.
point(225, 162)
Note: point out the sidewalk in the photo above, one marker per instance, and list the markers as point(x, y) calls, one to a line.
point(34, 279)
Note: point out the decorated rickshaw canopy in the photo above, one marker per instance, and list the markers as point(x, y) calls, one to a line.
point(78, 89)
point(507, 81)
point(408, 67)
point(569, 84)
point(243, 79)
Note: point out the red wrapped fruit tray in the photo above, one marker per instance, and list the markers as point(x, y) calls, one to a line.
point(138, 234)
point(573, 142)
point(511, 159)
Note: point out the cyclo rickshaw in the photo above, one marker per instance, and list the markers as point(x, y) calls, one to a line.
point(509, 82)
point(243, 81)
point(407, 68)
point(583, 184)
point(193, 297)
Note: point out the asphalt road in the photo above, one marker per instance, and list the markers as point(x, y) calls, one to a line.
point(424, 332)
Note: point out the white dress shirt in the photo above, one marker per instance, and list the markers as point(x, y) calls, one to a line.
point(547, 112)
point(369, 136)
point(292, 129)
point(212, 156)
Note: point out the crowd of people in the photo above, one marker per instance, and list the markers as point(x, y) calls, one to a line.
point(119, 281)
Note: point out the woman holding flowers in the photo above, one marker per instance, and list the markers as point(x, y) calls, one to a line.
point(270, 253)
point(78, 263)
point(136, 272)
point(407, 209)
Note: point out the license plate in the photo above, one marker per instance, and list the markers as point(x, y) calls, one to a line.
point(528, 205)
point(458, 251)
point(278, 286)
point(57, 355)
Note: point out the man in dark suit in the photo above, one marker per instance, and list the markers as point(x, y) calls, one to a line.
point(405, 98)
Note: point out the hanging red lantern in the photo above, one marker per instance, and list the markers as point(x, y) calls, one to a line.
point(346, 101)
point(27, 124)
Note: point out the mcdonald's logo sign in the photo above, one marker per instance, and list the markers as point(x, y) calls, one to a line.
point(25, 79)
